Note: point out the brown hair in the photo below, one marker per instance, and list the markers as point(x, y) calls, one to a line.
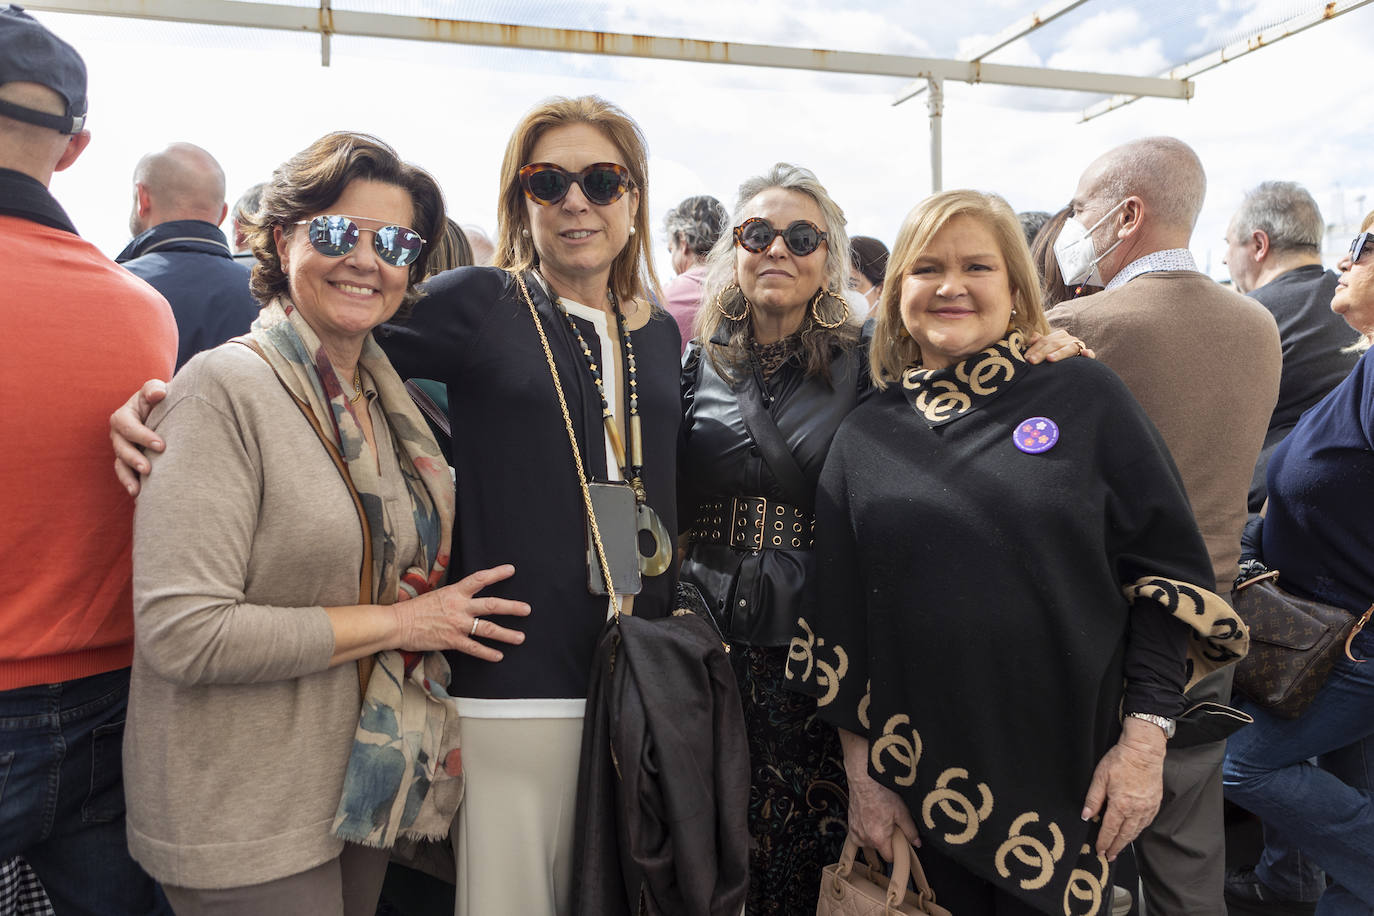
point(632, 271)
point(313, 179)
point(893, 349)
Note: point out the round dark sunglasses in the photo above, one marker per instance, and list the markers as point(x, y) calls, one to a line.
point(801, 237)
point(335, 235)
point(602, 183)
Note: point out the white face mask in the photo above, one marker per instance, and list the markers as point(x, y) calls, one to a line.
point(1076, 254)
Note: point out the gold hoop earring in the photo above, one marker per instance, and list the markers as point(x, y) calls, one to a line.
point(815, 310)
point(720, 296)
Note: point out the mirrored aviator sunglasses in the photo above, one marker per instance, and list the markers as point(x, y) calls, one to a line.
point(602, 183)
point(1362, 245)
point(335, 235)
point(801, 237)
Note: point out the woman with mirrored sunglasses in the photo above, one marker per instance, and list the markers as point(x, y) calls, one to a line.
point(777, 364)
point(1318, 532)
point(292, 545)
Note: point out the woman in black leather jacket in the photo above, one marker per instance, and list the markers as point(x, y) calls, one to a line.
point(782, 366)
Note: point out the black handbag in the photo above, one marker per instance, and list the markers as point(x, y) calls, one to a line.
point(1294, 642)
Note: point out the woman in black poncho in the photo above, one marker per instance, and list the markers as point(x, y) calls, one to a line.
point(999, 547)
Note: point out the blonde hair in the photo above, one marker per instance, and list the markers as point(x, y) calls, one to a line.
point(632, 271)
point(893, 348)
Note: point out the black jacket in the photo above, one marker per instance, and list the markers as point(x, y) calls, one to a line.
point(188, 261)
point(756, 595)
point(663, 794)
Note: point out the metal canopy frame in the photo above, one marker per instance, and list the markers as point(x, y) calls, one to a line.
point(929, 74)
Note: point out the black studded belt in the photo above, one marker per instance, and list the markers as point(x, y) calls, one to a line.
point(754, 523)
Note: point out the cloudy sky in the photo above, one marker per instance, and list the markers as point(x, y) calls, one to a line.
point(253, 97)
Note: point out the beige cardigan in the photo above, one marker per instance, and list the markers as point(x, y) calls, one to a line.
point(238, 732)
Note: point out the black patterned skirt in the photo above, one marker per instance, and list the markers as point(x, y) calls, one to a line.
point(798, 796)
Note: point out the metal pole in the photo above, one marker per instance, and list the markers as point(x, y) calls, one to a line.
point(935, 102)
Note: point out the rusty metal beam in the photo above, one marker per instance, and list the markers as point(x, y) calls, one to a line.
point(487, 34)
point(1225, 55)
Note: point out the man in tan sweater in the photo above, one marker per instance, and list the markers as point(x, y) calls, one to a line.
point(1204, 362)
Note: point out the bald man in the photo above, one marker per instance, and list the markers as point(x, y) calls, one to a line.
point(1204, 362)
point(179, 249)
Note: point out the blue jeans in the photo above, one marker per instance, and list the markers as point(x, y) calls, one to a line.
point(62, 795)
point(1326, 810)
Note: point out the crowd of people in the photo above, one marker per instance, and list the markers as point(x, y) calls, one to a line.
point(963, 516)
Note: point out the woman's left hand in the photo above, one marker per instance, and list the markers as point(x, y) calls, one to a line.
point(1054, 346)
point(1130, 780)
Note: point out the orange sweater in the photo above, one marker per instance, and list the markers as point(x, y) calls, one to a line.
point(81, 335)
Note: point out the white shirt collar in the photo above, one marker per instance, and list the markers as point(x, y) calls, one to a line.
point(1168, 259)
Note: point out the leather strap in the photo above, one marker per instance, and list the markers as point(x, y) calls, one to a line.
point(428, 407)
point(763, 429)
point(366, 663)
point(1355, 631)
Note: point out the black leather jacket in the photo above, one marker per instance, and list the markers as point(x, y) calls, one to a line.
point(756, 595)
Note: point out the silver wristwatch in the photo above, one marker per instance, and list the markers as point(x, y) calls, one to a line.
point(1168, 725)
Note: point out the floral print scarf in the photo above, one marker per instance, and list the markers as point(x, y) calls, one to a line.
point(404, 775)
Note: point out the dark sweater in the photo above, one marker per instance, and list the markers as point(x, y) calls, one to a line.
point(1313, 338)
point(1319, 530)
point(518, 495)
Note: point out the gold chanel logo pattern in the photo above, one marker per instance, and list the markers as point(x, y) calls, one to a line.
point(863, 704)
point(956, 806)
point(1219, 635)
point(904, 749)
point(941, 395)
point(803, 651)
point(1086, 889)
point(1031, 851)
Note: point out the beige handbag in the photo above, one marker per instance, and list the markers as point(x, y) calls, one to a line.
point(850, 888)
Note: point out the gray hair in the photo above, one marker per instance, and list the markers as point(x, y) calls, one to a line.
point(1162, 171)
point(1284, 211)
point(247, 205)
point(699, 221)
point(817, 342)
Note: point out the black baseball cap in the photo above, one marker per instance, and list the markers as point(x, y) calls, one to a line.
point(29, 53)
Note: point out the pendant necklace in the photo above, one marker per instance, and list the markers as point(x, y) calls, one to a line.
point(647, 520)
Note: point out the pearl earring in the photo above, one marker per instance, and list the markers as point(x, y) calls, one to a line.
point(632, 230)
point(525, 232)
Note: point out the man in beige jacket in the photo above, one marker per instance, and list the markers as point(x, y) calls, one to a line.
point(1204, 362)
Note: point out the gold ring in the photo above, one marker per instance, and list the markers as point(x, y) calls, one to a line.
point(1081, 345)
point(473, 632)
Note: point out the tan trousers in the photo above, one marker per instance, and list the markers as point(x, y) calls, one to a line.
point(348, 885)
point(513, 836)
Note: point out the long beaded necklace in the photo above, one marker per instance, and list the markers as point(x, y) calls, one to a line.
point(634, 472)
point(647, 519)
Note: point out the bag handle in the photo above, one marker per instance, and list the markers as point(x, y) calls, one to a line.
point(905, 867)
point(601, 559)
